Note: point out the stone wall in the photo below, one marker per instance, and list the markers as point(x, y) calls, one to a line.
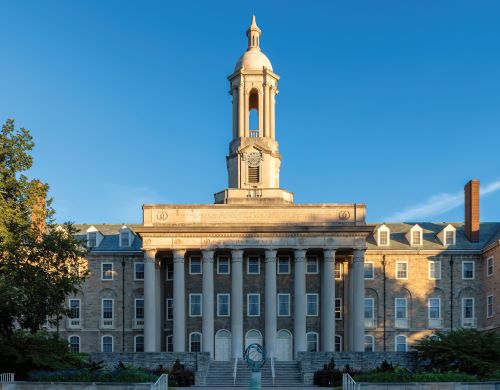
point(73, 386)
point(432, 386)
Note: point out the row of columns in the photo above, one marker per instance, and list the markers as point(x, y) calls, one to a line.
point(356, 302)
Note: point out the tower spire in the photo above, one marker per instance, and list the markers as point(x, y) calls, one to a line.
point(253, 34)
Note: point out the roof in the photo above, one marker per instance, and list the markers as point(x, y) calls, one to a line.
point(111, 237)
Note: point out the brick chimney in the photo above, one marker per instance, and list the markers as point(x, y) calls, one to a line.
point(38, 197)
point(471, 193)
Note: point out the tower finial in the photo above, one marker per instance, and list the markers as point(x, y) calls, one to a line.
point(253, 34)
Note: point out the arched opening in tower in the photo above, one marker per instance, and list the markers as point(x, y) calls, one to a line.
point(253, 106)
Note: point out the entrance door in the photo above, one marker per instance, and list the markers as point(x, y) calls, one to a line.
point(253, 336)
point(284, 345)
point(223, 345)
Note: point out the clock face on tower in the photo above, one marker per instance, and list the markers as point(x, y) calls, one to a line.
point(254, 159)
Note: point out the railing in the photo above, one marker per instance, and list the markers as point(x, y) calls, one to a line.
point(469, 323)
point(235, 369)
point(370, 323)
point(349, 384)
point(254, 133)
point(106, 323)
point(74, 323)
point(272, 368)
point(161, 383)
point(7, 377)
point(138, 323)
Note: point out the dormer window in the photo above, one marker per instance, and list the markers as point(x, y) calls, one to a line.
point(383, 236)
point(92, 239)
point(126, 237)
point(448, 236)
point(415, 236)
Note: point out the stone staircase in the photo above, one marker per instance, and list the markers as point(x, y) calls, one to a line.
point(220, 374)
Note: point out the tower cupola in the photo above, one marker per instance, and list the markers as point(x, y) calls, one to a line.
point(253, 34)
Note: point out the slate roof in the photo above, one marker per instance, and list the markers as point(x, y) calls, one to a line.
point(111, 240)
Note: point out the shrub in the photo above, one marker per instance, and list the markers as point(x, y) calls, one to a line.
point(405, 376)
point(180, 376)
point(127, 375)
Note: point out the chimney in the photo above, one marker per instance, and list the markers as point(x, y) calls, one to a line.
point(38, 195)
point(471, 193)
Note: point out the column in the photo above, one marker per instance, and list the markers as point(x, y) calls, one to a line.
point(149, 301)
point(358, 300)
point(271, 113)
point(208, 302)
point(241, 124)
point(261, 114)
point(266, 110)
point(328, 302)
point(158, 295)
point(246, 114)
point(270, 301)
point(179, 302)
point(234, 94)
point(299, 307)
point(237, 303)
point(350, 308)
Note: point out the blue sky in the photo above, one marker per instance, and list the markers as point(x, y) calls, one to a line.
point(392, 103)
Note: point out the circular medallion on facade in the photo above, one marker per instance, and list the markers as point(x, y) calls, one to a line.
point(161, 215)
point(344, 215)
point(254, 159)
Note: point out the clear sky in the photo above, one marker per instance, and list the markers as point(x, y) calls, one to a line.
point(392, 103)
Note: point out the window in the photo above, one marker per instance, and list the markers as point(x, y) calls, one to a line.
point(107, 312)
point(338, 343)
point(223, 265)
point(489, 306)
point(195, 305)
point(170, 343)
point(467, 270)
point(223, 305)
point(338, 308)
point(74, 343)
point(138, 271)
point(489, 266)
point(312, 304)
point(253, 265)
point(124, 238)
point(139, 309)
point(74, 308)
point(312, 342)
point(92, 239)
point(195, 265)
point(283, 305)
point(170, 309)
point(369, 272)
point(369, 343)
point(400, 343)
point(170, 271)
point(383, 237)
point(434, 269)
point(449, 237)
point(283, 264)
point(107, 344)
point(416, 237)
point(253, 305)
point(195, 342)
point(434, 308)
point(253, 174)
point(139, 343)
point(369, 313)
point(401, 313)
point(401, 270)
point(338, 271)
point(312, 265)
point(468, 319)
point(107, 271)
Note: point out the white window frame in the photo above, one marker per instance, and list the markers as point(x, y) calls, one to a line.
point(420, 234)
point(340, 270)
point(372, 318)
point(471, 320)
point(317, 341)
point(190, 341)
point(135, 270)
point(228, 265)
point(454, 237)
point(125, 231)
point(112, 271)
point(79, 342)
point(93, 234)
point(112, 343)
point(248, 264)
point(228, 305)
point(191, 303)
point(289, 266)
point(170, 267)
point(373, 270)
point(407, 269)
point(396, 343)
point(112, 308)
point(371, 342)
point(79, 308)
point(384, 229)
point(317, 304)
point(170, 337)
point(339, 317)
point(489, 261)
point(340, 343)
point(191, 262)
point(473, 269)
point(429, 308)
point(135, 342)
point(311, 257)
point(171, 300)
point(488, 304)
point(135, 310)
point(437, 270)
point(248, 304)
point(278, 304)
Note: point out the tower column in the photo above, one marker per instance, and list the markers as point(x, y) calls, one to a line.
point(358, 300)
point(266, 110)
point(149, 301)
point(237, 303)
point(241, 108)
point(299, 282)
point(247, 113)
point(328, 302)
point(208, 302)
point(158, 296)
point(271, 112)
point(234, 94)
point(350, 307)
point(270, 301)
point(261, 113)
point(179, 302)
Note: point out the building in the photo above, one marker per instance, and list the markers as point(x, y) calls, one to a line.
point(256, 267)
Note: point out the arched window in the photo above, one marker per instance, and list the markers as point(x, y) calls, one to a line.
point(170, 343)
point(338, 343)
point(74, 343)
point(107, 344)
point(312, 342)
point(253, 107)
point(195, 342)
point(400, 343)
point(139, 343)
point(369, 343)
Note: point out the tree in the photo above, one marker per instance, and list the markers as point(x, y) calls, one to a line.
point(40, 262)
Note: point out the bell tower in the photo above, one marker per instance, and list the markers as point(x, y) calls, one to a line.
point(253, 162)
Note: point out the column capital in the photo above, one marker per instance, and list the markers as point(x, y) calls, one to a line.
point(270, 255)
point(150, 254)
point(359, 255)
point(179, 255)
point(208, 256)
point(329, 255)
point(300, 255)
point(236, 255)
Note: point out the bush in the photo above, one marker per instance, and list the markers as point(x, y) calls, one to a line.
point(126, 374)
point(405, 376)
point(180, 376)
point(330, 375)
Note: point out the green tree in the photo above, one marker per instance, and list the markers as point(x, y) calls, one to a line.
point(40, 262)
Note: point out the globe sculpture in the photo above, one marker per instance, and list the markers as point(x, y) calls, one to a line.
point(255, 356)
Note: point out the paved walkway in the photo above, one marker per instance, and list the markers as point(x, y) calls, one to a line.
point(241, 388)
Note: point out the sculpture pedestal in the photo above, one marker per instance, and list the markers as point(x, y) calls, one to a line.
point(255, 381)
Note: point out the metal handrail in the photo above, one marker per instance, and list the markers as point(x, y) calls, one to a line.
point(161, 383)
point(348, 383)
point(235, 368)
point(272, 368)
point(7, 377)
